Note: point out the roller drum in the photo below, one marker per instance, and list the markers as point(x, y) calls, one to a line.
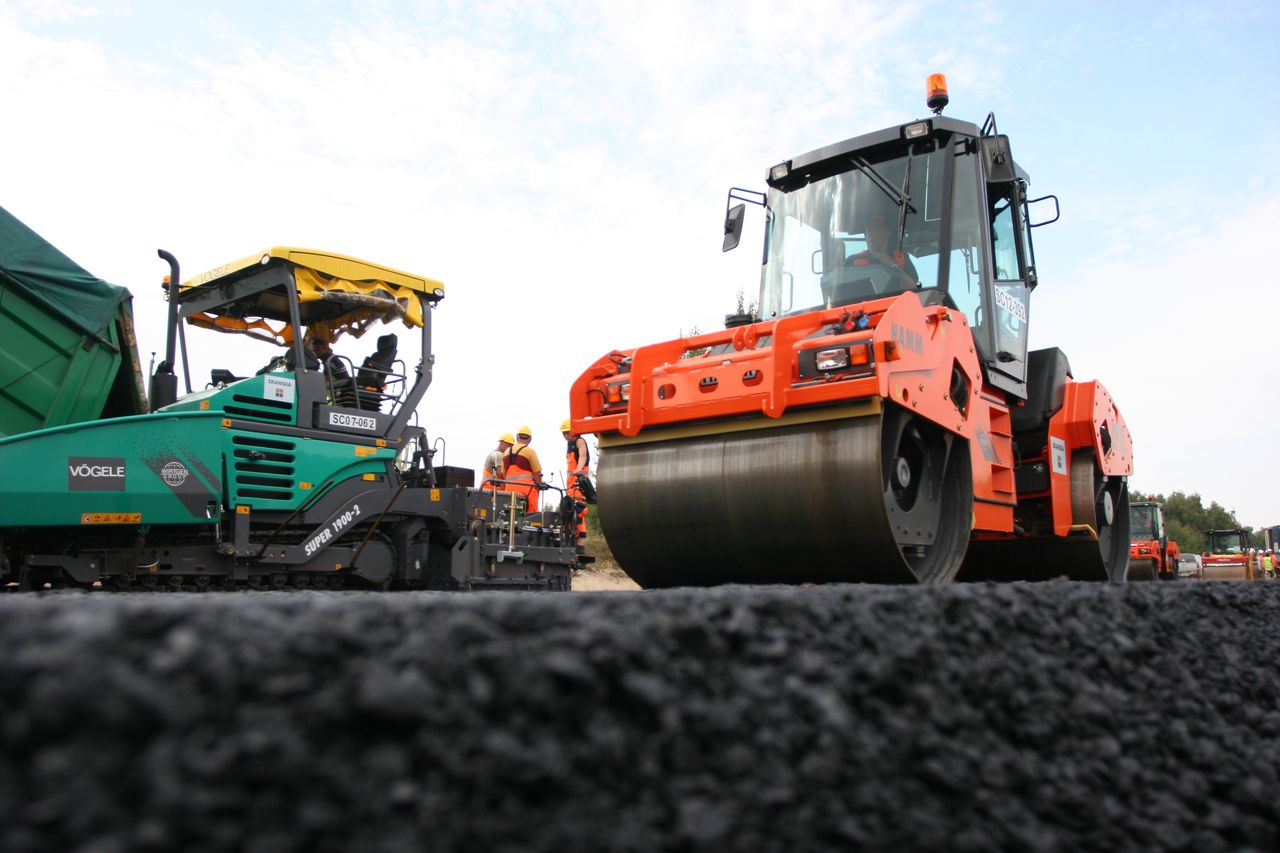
point(881, 498)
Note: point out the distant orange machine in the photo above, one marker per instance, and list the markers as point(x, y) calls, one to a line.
point(1152, 554)
point(1226, 556)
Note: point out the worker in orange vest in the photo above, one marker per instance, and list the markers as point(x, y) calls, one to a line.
point(577, 463)
point(494, 466)
point(524, 471)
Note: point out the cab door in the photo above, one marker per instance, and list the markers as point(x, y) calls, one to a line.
point(1010, 287)
point(987, 269)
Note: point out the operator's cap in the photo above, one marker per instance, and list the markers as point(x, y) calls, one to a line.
point(508, 438)
point(566, 425)
point(524, 430)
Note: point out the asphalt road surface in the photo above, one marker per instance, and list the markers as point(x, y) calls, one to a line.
point(1053, 716)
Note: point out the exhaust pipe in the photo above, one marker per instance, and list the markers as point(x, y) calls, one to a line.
point(164, 382)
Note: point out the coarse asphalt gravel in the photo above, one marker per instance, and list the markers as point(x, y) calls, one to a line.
point(1055, 716)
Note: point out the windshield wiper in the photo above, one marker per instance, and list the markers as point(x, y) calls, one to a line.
point(897, 196)
point(903, 205)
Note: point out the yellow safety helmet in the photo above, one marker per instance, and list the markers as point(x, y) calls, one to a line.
point(508, 438)
point(566, 425)
point(524, 430)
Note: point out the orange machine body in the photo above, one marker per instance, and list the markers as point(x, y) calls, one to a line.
point(1227, 556)
point(1149, 546)
point(1149, 551)
point(922, 357)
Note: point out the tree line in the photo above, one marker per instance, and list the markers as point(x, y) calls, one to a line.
point(1187, 519)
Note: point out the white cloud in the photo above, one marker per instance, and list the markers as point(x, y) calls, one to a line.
point(45, 11)
point(1184, 339)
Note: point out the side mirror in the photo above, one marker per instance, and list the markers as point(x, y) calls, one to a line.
point(733, 226)
point(1057, 211)
point(995, 150)
point(221, 376)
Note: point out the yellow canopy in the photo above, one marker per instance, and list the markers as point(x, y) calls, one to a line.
point(337, 294)
point(328, 263)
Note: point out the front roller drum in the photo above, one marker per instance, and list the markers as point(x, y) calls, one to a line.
point(884, 498)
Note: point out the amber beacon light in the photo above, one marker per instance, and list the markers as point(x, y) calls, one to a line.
point(936, 92)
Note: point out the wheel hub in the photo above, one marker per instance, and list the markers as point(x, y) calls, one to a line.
point(1106, 508)
point(902, 472)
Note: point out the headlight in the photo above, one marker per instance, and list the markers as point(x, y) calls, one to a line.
point(832, 359)
point(915, 130)
point(836, 362)
point(617, 392)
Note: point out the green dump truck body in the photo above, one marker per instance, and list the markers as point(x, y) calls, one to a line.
point(67, 348)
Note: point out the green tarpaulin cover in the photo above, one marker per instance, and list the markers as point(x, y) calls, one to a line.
point(31, 265)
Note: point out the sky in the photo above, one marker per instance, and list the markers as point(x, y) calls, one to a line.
point(563, 169)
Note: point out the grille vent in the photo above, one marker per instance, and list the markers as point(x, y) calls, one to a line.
point(260, 408)
point(264, 467)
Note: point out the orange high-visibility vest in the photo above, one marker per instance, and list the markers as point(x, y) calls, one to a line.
point(520, 476)
point(571, 465)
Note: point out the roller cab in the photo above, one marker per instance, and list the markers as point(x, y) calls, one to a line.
point(882, 418)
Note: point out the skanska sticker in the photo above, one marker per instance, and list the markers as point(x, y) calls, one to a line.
point(278, 388)
point(1058, 455)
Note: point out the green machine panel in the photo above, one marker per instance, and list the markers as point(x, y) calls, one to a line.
point(147, 469)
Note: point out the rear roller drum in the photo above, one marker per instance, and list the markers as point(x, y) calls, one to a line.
point(1096, 550)
point(1108, 500)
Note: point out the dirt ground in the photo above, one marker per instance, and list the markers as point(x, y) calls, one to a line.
point(604, 574)
point(602, 579)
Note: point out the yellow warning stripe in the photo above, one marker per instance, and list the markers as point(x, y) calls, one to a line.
point(111, 518)
point(860, 409)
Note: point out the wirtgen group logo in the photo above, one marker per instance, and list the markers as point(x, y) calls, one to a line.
point(174, 473)
point(95, 474)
